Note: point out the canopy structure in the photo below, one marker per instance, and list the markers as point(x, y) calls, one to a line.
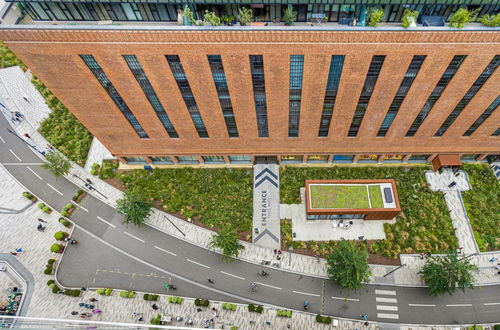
point(446, 161)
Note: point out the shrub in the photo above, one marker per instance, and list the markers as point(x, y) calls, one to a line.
point(289, 16)
point(50, 282)
point(41, 206)
point(94, 169)
point(323, 319)
point(64, 213)
point(409, 13)
point(56, 248)
point(175, 300)
point(154, 297)
point(202, 302)
point(77, 195)
point(64, 222)
point(497, 327)
point(127, 294)
point(100, 291)
point(47, 210)
point(255, 309)
point(156, 320)
point(51, 261)
point(108, 169)
point(146, 296)
point(284, 313)
point(461, 17)
point(68, 207)
point(55, 289)
point(48, 271)
point(60, 235)
point(212, 18)
point(229, 307)
point(490, 20)
point(67, 292)
point(375, 16)
point(108, 292)
point(29, 196)
point(8, 59)
point(75, 293)
point(245, 15)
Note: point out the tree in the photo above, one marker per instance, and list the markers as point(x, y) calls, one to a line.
point(348, 265)
point(227, 240)
point(135, 207)
point(446, 274)
point(57, 164)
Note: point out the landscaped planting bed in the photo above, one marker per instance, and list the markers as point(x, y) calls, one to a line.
point(335, 196)
point(424, 224)
point(376, 197)
point(483, 206)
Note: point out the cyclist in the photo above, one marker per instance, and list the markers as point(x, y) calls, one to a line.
point(306, 304)
point(209, 280)
point(254, 286)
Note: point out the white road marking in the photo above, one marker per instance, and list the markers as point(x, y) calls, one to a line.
point(12, 152)
point(387, 316)
point(270, 286)
point(57, 191)
point(386, 300)
point(241, 278)
point(29, 169)
point(348, 299)
point(163, 250)
point(137, 238)
point(1, 138)
point(459, 305)
point(106, 222)
point(307, 294)
point(20, 164)
point(421, 305)
point(386, 292)
point(79, 206)
point(197, 263)
point(491, 304)
point(387, 308)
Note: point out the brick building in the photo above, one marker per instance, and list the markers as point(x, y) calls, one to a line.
point(167, 94)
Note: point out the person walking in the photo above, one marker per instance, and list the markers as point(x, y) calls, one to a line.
point(93, 300)
point(306, 304)
point(13, 253)
point(40, 227)
point(154, 307)
point(364, 317)
point(41, 220)
point(254, 286)
point(27, 136)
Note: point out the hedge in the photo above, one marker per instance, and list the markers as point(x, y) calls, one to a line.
point(127, 294)
point(229, 307)
point(175, 300)
point(50, 282)
point(284, 313)
point(323, 319)
point(202, 302)
point(56, 248)
point(151, 297)
point(256, 309)
point(55, 289)
point(64, 222)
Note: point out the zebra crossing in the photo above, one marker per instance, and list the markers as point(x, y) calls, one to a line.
point(386, 303)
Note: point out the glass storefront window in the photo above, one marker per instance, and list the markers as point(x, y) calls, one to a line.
point(368, 159)
point(135, 160)
point(335, 216)
point(343, 158)
point(390, 158)
point(162, 160)
point(214, 159)
point(240, 159)
point(187, 160)
point(317, 158)
point(419, 158)
point(291, 159)
point(468, 158)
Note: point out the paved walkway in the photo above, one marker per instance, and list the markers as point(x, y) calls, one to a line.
point(201, 237)
point(97, 154)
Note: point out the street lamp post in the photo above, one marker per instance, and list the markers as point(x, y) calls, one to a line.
point(392, 271)
point(470, 255)
point(90, 186)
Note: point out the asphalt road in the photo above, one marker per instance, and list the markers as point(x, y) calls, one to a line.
point(189, 266)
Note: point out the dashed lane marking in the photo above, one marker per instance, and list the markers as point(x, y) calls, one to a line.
point(491, 304)
point(306, 293)
point(342, 298)
point(197, 263)
point(29, 169)
point(459, 305)
point(387, 316)
point(270, 286)
point(386, 300)
point(57, 191)
point(421, 305)
point(137, 238)
point(106, 222)
point(163, 250)
point(241, 278)
point(79, 206)
point(387, 308)
point(386, 292)
point(21, 164)
point(1, 138)
point(12, 152)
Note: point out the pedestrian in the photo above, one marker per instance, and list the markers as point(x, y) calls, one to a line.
point(422, 255)
point(74, 313)
point(154, 307)
point(41, 220)
point(278, 257)
point(364, 317)
point(40, 227)
point(3, 269)
point(268, 323)
point(85, 315)
point(279, 251)
point(135, 314)
point(493, 259)
point(19, 250)
point(93, 300)
point(275, 251)
point(198, 309)
point(27, 135)
point(73, 242)
point(96, 311)
point(367, 323)
point(256, 230)
point(88, 181)
point(306, 304)
point(497, 267)
point(13, 253)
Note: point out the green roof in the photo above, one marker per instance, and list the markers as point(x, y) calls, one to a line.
point(336, 196)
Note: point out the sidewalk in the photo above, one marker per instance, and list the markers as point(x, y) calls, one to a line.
point(297, 263)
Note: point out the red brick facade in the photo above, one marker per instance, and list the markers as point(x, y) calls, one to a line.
point(53, 56)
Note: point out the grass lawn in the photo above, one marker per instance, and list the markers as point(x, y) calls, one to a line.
point(376, 197)
point(424, 224)
point(483, 206)
point(338, 197)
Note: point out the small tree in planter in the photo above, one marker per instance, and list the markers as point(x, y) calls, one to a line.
point(245, 15)
point(135, 207)
point(461, 17)
point(60, 236)
point(57, 164)
point(29, 196)
point(64, 222)
point(375, 16)
point(289, 16)
point(408, 16)
point(57, 248)
point(212, 18)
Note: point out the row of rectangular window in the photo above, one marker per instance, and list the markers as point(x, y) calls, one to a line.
point(295, 94)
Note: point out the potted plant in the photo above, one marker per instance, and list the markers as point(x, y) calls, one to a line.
point(461, 17)
point(212, 18)
point(188, 16)
point(289, 16)
point(490, 20)
point(245, 15)
point(228, 20)
point(375, 16)
point(409, 18)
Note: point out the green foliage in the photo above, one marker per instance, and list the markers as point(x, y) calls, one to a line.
point(51, 261)
point(94, 169)
point(202, 302)
point(289, 16)
point(375, 16)
point(212, 18)
point(245, 15)
point(55, 289)
point(64, 222)
point(47, 210)
point(446, 274)
point(127, 294)
point(215, 196)
point(135, 207)
point(67, 292)
point(461, 17)
point(50, 282)
point(8, 59)
point(229, 307)
point(227, 240)
point(227, 19)
point(77, 195)
point(48, 271)
point(41, 206)
point(68, 207)
point(490, 20)
point(175, 300)
point(323, 319)
point(348, 265)
point(482, 203)
point(103, 291)
point(75, 293)
point(29, 196)
point(156, 320)
point(108, 169)
point(409, 13)
point(424, 223)
point(62, 129)
point(56, 248)
point(188, 13)
point(60, 235)
point(152, 297)
point(108, 292)
point(57, 164)
point(284, 313)
point(256, 309)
